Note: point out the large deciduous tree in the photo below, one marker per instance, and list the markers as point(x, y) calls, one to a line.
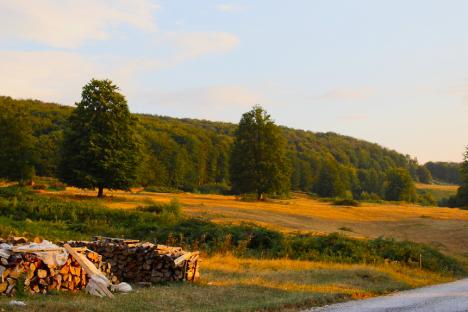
point(100, 148)
point(258, 160)
point(16, 145)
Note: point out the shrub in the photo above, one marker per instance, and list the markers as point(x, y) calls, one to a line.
point(56, 186)
point(161, 189)
point(346, 202)
point(215, 188)
point(39, 187)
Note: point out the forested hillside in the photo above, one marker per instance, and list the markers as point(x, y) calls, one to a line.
point(193, 154)
point(445, 172)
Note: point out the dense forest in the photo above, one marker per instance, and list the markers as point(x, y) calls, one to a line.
point(445, 172)
point(193, 155)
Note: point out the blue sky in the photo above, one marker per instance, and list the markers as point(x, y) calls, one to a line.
point(391, 72)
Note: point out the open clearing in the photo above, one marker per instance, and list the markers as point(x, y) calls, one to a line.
point(233, 284)
point(443, 228)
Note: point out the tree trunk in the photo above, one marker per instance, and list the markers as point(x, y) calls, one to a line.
point(100, 192)
point(259, 195)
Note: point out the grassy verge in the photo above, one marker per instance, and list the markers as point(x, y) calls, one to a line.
point(233, 284)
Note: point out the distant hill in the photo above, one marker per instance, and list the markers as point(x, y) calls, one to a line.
point(193, 154)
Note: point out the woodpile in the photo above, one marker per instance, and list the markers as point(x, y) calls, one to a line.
point(24, 268)
point(137, 262)
point(116, 259)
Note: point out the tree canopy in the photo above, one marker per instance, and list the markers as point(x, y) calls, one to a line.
point(100, 147)
point(194, 155)
point(16, 144)
point(258, 161)
point(462, 194)
point(400, 186)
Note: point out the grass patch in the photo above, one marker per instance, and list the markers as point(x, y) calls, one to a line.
point(64, 218)
point(161, 189)
point(248, 285)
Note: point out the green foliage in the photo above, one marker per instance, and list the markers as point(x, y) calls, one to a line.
point(188, 154)
point(16, 143)
point(426, 199)
point(346, 202)
point(400, 186)
point(258, 160)
point(214, 188)
point(424, 175)
point(446, 172)
point(330, 182)
point(161, 189)
point(22, 212)
point(339, 248)
point(462, 194)
point(100, 144)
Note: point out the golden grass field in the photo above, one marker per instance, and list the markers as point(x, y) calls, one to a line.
point(443, 228)
point(232, 284)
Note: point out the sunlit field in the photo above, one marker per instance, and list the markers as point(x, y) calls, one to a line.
point(232, 284)
point(443, 228)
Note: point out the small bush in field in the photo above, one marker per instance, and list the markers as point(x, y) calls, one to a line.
point(39, 186)
point(161, 189)
point(346, 202)
point(215, 188)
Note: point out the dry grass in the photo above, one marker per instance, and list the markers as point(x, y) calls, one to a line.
point(231, 284)
point(449, 188)
point(443, 228)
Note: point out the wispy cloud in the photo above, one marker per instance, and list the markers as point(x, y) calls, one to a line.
point(51, 75)
point(347, 94)
point(68, 24)
point(229, 7)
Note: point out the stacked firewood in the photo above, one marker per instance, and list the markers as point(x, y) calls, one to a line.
point(134, 261)
point(10, 271)
point(39, 277)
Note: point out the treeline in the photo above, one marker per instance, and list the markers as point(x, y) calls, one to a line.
point(194, 155)
point(445, 172)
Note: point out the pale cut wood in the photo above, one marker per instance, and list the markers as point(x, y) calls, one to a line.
point(89, 268)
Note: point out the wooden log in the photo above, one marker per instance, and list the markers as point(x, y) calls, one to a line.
point(41, 273)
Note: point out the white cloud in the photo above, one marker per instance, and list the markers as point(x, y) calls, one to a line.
point(190, 45)
point(68, 24)
point(347, 94)
point(49, 75)
point(228, 7)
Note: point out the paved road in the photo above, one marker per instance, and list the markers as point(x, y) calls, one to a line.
point(450, 297)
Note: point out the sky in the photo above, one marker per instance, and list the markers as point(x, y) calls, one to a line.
point(391, 72)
